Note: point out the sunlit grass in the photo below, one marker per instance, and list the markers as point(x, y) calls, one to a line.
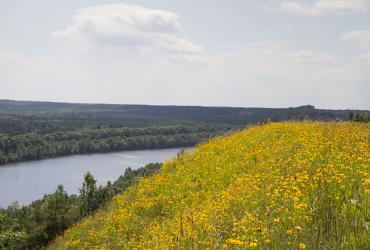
point(278, 186)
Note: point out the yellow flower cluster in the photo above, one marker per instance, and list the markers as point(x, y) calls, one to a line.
point(292, 185)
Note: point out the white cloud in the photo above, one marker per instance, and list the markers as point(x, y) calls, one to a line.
point(324, 7)
point(123, 20)
point(284, 73)
point(9, 57)
point(360, 38)
point(365, 58)
point(133, 26)
point(275, 54)
point(2, 42)
point(307, 56)
point(186, 59)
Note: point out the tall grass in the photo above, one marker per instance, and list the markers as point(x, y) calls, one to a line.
point(278, 186)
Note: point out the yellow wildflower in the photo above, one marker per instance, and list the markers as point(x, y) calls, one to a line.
point(302, 246)
point(235, 242)
point(253, 244)
point(276, 220)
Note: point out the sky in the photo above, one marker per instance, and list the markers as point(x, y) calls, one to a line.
point(265, 53)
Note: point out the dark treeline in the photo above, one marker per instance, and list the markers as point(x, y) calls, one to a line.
point(37, 130)
point(19, 117)
point(33, 226)
point(31, 146)
point(359, 116)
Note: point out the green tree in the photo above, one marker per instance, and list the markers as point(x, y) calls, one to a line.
point(350, 116)
point(358, 117)
point(88, 195)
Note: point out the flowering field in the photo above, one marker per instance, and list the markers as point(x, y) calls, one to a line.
point(278, 186)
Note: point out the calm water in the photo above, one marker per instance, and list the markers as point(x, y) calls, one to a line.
point(28, 181)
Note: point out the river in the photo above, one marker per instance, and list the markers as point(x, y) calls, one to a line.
point(28, 181)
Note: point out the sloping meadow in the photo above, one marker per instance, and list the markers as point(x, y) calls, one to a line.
point(292, 185)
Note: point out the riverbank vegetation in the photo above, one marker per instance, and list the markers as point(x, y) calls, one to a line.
point(32, 146)
point(34, 225)
point(292, 185)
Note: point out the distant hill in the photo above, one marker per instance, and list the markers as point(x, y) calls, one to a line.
point(113, 115)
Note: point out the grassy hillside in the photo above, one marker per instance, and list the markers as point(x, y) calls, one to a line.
point(277, 186)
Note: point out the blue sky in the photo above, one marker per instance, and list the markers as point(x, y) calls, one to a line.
point(273, 53)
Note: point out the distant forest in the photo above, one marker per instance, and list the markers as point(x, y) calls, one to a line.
point(37, 130)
